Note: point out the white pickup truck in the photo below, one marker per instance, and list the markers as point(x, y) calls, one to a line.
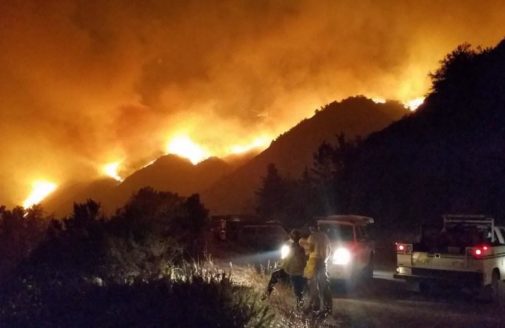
point(468, 251)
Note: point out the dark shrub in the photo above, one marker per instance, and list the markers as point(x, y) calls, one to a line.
point(188, 299)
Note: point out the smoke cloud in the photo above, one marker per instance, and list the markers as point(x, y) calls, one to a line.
point(85, 82)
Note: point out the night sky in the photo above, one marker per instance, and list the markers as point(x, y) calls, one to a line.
point(85, 83)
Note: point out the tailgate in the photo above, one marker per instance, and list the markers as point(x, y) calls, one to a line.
point(455, 259)
point(441, 261)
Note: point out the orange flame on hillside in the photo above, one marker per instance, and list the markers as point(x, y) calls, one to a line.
point(40, 190)
point(185, 147)
point(378, 100)
point(259, 143)
point(413, 104)
point(111, 170)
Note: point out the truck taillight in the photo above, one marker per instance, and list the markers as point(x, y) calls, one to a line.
point(480, 251)
point(402, 248)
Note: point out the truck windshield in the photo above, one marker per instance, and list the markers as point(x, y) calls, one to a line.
point(340, 232)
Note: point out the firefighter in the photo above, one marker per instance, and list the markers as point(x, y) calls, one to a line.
point(316, 273)
point(292, 268)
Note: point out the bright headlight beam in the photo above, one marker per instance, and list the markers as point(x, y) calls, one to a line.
point(341, 256)
point(284, 251)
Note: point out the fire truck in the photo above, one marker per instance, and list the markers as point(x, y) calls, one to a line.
point(468, 251)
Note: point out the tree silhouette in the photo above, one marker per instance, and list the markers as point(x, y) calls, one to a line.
point(304, 201)
point(85, 216)
point(191, 226)
point(271, 196)
point(323, 190)
point(332, 170)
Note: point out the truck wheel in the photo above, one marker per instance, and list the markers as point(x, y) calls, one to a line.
point(492, 291)
point(495, 286)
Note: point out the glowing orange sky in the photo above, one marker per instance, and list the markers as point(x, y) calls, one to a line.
point(86, 83)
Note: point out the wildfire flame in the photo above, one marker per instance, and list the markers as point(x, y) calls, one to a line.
point(378, 100)
point(185, 147)
point(414, 103)
point(258, 143)
point(40, 190)
point(111, 170)
point(149, 163)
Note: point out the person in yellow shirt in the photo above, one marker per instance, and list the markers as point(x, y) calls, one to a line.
point(315, 272)
point(305, 234)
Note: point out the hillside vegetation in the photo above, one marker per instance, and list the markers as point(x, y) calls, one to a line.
point(293, 151)
point(449, 156)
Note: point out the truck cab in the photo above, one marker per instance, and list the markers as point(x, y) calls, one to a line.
point(352, 248)
point(468, 251)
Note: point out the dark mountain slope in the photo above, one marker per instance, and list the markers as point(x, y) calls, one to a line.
point(167, 173)
point(175, 174)
point(61, 201)
point(447, 157)
point(293, 151)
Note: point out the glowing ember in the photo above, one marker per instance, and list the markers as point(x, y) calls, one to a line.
point(185, 147)
point(258, 143)
point(40, 190)
point(414, 103)
point(111, 170)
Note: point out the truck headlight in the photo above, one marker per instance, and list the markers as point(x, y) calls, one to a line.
point(341, 256)
point(285, 251)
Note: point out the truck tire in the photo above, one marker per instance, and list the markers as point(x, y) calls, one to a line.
point(492, 291)
point(495, 286)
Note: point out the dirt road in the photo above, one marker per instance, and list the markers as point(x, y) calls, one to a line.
point(390, 303)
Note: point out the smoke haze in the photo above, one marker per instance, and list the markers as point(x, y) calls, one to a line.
point(83, 83)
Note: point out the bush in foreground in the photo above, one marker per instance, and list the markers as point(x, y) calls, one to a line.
point(188, 298)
